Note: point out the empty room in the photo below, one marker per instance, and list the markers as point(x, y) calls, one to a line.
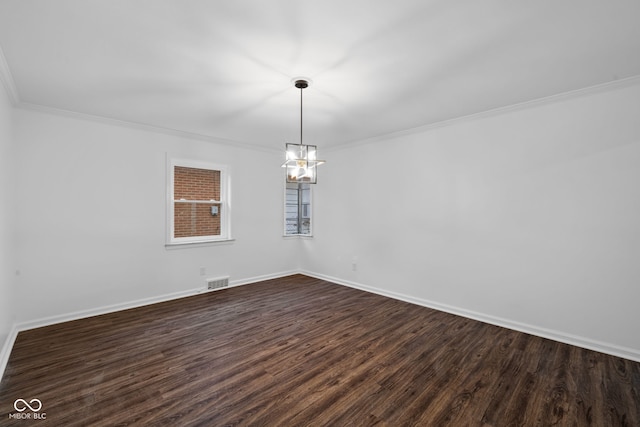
point(319, 213)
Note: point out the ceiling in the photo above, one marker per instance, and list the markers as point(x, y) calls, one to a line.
point(224, 69)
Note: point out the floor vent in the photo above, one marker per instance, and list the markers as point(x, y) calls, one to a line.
point(221, 282)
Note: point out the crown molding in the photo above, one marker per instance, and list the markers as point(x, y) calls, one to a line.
point(144, 127)
point(7, 79)
point(551, 99)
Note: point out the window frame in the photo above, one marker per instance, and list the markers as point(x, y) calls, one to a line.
point(300, 215)
point(225, 202)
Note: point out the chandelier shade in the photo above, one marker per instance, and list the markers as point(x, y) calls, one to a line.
point(301, 163)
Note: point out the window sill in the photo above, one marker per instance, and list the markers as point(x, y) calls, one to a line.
point(196, 244)
point(297, 236)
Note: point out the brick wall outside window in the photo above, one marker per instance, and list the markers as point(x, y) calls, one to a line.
point(195, 219)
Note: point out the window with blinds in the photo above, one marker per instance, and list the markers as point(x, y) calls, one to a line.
point(297, 208)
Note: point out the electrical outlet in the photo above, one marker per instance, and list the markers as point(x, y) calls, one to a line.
point(203, 271)
point(354, 263)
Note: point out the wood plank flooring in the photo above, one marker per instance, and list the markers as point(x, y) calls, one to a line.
point(299, 351)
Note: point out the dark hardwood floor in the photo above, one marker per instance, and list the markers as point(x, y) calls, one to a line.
point(299, 351)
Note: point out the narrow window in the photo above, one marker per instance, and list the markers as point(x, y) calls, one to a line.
point(297, 209)
point(198, 208)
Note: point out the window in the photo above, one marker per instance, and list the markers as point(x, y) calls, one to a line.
point(297, 208)
point(198, 202)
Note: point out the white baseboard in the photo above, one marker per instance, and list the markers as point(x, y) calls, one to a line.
point(607, 348)
point(82, 314)
point(578, 341)
point(6, 348)
point(263, 277)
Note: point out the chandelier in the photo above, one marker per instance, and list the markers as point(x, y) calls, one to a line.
point(301, 160)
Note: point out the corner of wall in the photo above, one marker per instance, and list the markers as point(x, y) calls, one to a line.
point(7, 346)
point(7, 79)
point(8, 98)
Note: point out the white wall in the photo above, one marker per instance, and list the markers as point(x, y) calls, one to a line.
point(529, 215)
point(7, 225)
point(92, 216)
